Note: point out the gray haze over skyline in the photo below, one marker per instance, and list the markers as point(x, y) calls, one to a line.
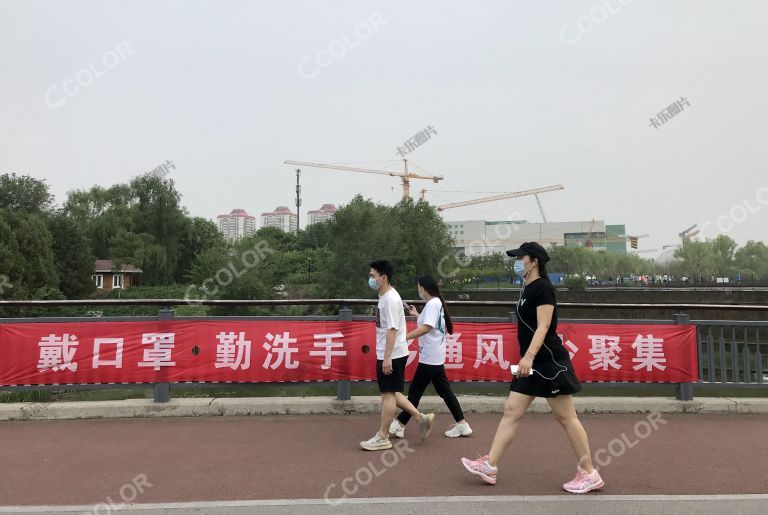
point(520, 94)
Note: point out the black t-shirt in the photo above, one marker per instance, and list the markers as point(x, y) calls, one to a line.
point(538, 293)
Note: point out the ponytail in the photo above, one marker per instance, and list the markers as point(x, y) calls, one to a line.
point(448, 321)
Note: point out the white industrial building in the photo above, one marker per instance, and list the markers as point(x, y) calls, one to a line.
point(481, 237)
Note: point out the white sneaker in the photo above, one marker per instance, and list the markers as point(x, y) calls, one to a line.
point(459, 430)
point(376, 443)
point(396, 429)
point(425, 425)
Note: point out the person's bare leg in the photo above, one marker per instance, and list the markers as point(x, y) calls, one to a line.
point(388, 408)
point(565, 412)
point(514, 409)
point(404, 404)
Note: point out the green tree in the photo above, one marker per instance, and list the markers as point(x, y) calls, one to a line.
point(198, 236)
point(361, 232)
point(142, 223)
point(697, 258)
point(24, 193)
point(11, 260)
point(277, 239)
point(315, 236)
point(752, 260)
point(35, 245)
point(73, 259)
point(157, 211)
point(723, 248)
point(424, 237)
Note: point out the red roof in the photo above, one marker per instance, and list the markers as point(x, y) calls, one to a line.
point(107, 266)
point(327, 208)
point(237, 213)
point(281, 210)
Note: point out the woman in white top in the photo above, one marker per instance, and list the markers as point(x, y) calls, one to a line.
point(434, 323)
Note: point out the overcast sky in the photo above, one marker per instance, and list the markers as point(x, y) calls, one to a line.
point(520, 95)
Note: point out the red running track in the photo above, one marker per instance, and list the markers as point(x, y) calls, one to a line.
point(80, 462)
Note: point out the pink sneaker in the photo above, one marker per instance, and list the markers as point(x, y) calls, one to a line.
point(584, 482)
point(480, 467)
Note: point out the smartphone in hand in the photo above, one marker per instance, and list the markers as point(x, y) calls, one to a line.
point(407, 307)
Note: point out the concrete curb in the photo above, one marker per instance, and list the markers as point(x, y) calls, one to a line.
point(255, 406)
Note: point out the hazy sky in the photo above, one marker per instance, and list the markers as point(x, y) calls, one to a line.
point(521, 95)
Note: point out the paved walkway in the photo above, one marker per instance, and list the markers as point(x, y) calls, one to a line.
point(285, 459)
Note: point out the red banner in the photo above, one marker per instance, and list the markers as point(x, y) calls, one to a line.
point(292, 351)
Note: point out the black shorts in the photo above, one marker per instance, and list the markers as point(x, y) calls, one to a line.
point(553, 377)
point(394, 382)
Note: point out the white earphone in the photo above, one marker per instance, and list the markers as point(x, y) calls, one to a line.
point(517, 311)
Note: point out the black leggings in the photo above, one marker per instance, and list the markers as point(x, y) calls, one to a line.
point(434, 374)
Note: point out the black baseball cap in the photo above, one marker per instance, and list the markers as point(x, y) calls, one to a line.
point(530, 248)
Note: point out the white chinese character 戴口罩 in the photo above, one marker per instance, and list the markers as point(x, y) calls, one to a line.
point(97, 359)
point(160, 353)
point(57, 352)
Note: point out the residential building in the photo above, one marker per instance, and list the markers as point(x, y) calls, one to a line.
point(237, 224)
point(282, 218)
point(321, 215)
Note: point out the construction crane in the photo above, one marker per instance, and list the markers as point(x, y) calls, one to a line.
point(541, 208)
point(405, 175)
point(502, 196)
point(690, 232)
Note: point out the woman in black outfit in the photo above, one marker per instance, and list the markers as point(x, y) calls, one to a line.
point(545, 370)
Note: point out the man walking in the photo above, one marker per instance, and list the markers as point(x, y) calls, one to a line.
point(391, 357)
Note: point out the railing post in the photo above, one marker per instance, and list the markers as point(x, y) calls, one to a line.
point(344, 388)
point(683, 391)
point(163, 390)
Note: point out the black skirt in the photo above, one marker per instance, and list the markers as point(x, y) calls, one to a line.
point(550, 378)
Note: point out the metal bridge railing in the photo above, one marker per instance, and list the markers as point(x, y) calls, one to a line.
point(730, 353)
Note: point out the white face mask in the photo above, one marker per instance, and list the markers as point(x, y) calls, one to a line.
point(520, 269)
point(421, 295)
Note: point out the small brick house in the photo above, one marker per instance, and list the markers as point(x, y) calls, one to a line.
point(107, 277)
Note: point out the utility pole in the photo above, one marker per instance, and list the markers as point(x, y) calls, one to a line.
point(298, 200)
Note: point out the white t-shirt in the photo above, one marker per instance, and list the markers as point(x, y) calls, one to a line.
point(390, 315)
point(432, 344)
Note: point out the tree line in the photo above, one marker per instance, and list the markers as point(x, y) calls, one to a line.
point(48, 250)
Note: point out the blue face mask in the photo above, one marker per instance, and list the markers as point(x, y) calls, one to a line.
point(373, 284)
point(520, 269)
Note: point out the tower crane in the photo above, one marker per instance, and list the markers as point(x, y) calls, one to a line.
point(502, 196)
point(405, 175)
